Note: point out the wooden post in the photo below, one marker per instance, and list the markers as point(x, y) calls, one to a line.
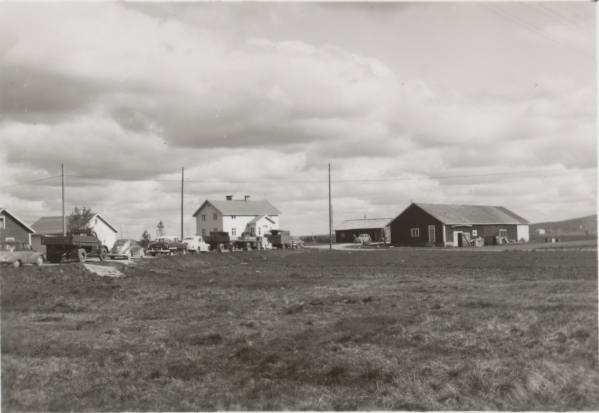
point(330, 222)
point(182, 181)
point(64, 221)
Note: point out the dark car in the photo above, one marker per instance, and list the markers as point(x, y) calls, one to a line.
point(18, 253)
point(167, 245)
point(126, 248)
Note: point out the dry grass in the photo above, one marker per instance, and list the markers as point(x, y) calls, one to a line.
point(305, 330)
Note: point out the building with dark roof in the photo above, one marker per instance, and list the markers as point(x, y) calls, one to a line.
point(236, 216)
point(454, 225)
point(13, 229)
point(377, 228)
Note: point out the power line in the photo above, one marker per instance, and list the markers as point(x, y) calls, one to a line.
point(581, 32)
point(565, 18)
point(30, 182)
point(302, 181)
point(538, 29)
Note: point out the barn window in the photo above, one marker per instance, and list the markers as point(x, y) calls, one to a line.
point(2, 222)
point(474, 233)
point(233, 231)
point(503, 233)
point(415, 232)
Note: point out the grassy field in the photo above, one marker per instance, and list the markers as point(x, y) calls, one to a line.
point(305, 330)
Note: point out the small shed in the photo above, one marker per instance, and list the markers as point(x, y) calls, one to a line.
point(377, 228)
point(13, 229)
point(453, 225)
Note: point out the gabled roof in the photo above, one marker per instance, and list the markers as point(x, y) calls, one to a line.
point(258, 218)
point(53, 225)
point(27, 227)
point(471, 214)
point(240, 207)
point(364, 223)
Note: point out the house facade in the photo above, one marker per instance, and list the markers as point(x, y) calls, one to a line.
point(236, 217)
point(53, 226)
point(13, 229)
point(448, 225)
point(377, 228)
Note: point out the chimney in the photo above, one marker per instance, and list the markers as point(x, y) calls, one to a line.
point(247, 197)
point(229, 197)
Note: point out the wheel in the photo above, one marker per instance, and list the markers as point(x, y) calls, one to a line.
point(221, 248)
point(184, 251)
point(248, 246)
point(81, 255)
point(16, 264)
point(129, 255)
point(142, 254)
point(39, 261)
point(170, 253)
point(103, 254)
point(258, 246)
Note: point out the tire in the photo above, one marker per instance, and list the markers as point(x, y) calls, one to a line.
point(184, 251)
point(39, 261)
point(81, 255)
point(129, 255)
point(16, 264)
point(221, 248)
point(142, 254)
point(258, 246)
point(248, 247)
point(103, 254)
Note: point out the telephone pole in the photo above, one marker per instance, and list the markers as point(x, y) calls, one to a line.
point(330, 212)
point(64, 221)
point(182, 182)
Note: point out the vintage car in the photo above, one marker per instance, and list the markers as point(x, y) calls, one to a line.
point(18, 253)
point(166, 245)
point(127, 248)
point(297, 243)
point(363, 239)
point(196, 244)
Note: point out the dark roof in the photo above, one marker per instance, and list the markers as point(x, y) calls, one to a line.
point(240, 207)
point(53, 225)
point(364, 223)
point(471, 214)
point(27, 227)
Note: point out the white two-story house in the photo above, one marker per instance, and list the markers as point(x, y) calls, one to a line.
point(236, 217)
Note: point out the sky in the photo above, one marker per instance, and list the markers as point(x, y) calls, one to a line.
point(453, 103)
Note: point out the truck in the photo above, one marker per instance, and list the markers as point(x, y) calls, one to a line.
point(280, 239)
point(220, 241)
point(78, 244)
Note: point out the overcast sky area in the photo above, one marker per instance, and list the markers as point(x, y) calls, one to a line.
point(257, 98)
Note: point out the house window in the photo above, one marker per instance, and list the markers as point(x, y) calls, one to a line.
point(415, 232)
point(203, 232)
point(203, 217)
point(215, 216)
point(474, 233)
point(259, 231)
point(233, 231)
point(2, 222)
point(232, 216)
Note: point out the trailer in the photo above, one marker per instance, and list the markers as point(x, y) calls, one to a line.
point(221, 241)
point(75, 245)
point(280, 239)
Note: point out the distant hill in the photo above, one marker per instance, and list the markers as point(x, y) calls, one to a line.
point(588, 223)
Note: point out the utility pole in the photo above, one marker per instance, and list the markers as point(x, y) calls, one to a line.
point(330, 222)
point(182, 181)
point(64, 221)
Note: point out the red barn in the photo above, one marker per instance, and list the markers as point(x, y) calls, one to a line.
point(13, 229)
point(443, 225)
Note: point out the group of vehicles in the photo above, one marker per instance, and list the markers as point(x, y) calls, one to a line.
point(79, 245)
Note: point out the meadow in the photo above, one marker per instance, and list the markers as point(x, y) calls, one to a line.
point(396, 329)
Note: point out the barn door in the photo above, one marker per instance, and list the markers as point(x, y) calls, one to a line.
point(431, 233)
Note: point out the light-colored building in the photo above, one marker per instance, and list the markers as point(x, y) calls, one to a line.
point(53, 226)
point(236, 217)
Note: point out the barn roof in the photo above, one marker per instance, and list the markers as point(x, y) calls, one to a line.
point(363, 223)
point(53, 225)
point(241, 207)
point(27, 227)
point(472, 214)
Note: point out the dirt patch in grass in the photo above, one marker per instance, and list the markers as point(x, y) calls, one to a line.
point(397, 329)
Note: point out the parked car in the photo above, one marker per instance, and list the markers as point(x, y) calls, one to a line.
point(127, 248)
point(363, 239)
point(18, 253)
point(196, 244)
point(166, 245)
